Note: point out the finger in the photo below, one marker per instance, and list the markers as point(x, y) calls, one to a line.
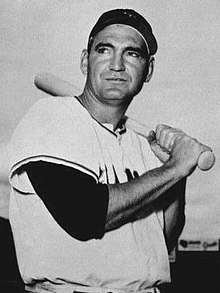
point(158, 131)
point(171, 136)
point(166, 136)
point(161, 131)
point(160, 153)
point(152, 137)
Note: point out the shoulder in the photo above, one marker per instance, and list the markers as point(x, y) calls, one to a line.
point(54, 119)
point(54, 105)
point(52, 113)
point(54, 129)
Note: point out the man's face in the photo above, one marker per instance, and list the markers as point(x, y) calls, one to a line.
point(116, 65)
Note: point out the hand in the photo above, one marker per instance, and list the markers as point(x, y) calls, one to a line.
point(162, 154)
point(175, 148)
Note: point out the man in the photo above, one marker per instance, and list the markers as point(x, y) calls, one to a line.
point(95, 207)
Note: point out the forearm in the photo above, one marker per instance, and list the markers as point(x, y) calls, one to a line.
point(106, 207)
point(127, 201)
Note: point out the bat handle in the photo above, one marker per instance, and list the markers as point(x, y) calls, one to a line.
point(206, 160)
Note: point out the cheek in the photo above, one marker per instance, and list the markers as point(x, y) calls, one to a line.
point(92, 72)
point(95, 76)
point(95, 69)
point(137, 74)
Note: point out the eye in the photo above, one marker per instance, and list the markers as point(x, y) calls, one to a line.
point(134, 54)
point(103, 50)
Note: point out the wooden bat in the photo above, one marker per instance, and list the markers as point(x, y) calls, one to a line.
point(55, 86)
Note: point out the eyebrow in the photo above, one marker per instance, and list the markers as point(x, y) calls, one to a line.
point(129, 48)
point(137, 49)
point(101, 44)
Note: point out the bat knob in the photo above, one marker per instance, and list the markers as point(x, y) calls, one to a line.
point(206, 160)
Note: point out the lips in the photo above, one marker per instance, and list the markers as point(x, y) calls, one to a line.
point(115, 79)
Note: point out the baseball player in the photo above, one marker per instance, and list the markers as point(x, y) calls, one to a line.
point(96, 207)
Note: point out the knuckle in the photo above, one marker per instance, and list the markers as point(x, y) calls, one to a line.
point(159, 127)
point(162, 126)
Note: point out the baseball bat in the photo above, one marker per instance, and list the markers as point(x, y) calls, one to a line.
point(55, 86)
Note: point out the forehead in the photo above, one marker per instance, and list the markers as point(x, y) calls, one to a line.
point(120, 33)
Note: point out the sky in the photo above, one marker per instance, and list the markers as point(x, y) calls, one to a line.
point(48, 36)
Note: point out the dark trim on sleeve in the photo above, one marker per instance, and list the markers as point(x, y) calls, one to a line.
point(39, 159)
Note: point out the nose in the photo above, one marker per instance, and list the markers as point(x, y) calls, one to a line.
point(117, 62)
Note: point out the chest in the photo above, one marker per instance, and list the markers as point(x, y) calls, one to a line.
point(123, 156)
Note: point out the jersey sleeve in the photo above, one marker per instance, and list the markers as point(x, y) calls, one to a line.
point(55, 130)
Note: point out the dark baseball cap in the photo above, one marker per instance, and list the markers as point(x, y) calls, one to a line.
point(128, 17)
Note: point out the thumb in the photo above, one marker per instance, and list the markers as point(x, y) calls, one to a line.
point(159, 152)
point(152, 137)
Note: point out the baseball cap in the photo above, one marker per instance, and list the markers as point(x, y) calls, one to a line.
point(128, 17)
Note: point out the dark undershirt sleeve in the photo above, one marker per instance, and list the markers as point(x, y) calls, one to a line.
point(75, 200)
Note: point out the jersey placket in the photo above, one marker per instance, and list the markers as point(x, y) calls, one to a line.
point(122, 163)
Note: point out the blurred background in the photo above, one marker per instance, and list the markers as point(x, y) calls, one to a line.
point(48, 36)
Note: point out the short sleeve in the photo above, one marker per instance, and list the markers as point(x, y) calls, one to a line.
point(56, 130)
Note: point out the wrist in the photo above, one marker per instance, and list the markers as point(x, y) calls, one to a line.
point(174, 169)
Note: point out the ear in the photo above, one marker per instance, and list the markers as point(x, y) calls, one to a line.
point(150, 69)
point(84, 62)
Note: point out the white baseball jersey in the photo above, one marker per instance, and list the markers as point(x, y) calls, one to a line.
point(130, 258)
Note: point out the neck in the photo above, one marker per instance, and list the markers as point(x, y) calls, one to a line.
point(102, 112)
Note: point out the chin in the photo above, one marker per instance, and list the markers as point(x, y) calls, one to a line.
point(116, 93)
point(111, 96)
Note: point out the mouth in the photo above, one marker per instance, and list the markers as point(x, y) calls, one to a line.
point(116, 79)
